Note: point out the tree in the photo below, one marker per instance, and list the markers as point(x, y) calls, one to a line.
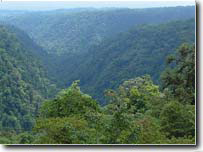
point(25, 138)
point(69, 102)
point(66, 130)
point(70, 118)
point(149, 131)
point(178, 120)
point(138, 93)
point(179, 78)
point(127, 106)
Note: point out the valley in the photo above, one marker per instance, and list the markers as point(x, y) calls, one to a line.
point(98, 76)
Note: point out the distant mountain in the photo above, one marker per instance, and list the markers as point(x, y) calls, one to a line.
point(23, 81)
point(141, 50)
point(76, 30)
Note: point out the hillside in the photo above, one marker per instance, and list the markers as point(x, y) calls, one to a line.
point(73, 31)
point(23, 82)
point(98, 76)
point(141, 50)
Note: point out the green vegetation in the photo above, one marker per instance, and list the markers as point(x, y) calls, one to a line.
point(23, 84)
point(103, 48)
point(137, 76)
point(127, 55)
point(138, 113)
point(181, 79)
point(68, 31)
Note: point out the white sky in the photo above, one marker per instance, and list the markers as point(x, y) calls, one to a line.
point(50, 5)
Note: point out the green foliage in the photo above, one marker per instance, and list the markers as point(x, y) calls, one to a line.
point(66, 130)
point(25, 138)
point(8, 137)
point(141, 111)
point(178, 115)
point(124, 56)
point(181, 140)
point(178, 120)
point(128, 107)
point(69, 102)
point(149, 131)
point(180, 78)
point(71, 116)
point(138, 112)
point(23, 83)
point(121, 128)
point(137, 93)
point(91, 49)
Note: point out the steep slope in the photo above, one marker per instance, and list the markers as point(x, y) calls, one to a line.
point(142, 50)
point(23, 82)
point(65, 31)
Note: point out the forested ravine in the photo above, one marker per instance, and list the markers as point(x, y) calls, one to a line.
point(117, 76)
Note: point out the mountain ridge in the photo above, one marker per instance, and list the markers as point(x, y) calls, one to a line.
point(65, 32)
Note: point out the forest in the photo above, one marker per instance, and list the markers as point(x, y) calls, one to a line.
point(98, 76)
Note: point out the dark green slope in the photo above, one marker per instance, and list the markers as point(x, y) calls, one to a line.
point(142, 50)
point(23, 82)
point(76, 31)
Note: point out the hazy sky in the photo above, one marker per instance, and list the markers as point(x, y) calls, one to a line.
point(63, 5)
